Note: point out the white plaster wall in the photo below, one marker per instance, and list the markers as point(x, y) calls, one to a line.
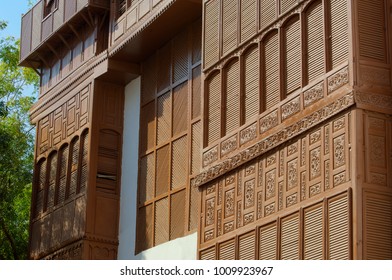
point(181, 248)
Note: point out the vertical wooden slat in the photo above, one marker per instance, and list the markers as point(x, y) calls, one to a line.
point(338, 32)
point(36, 28)
point(52, 180)
point(214, 108)
point(177, 215)
point(338, 228)
point(74, 167)
point(25, 40)
point(196, 42)
point(179, 163)
point(292, 56)
point(248, 19)
point(267, 12)
point(64, 154)
point(211, 33)
point(290, 238)
point(232, 98)
point(58, 16)
point(313, 233)
point(315, 41)
point(162, 171)
point(268, 242)
point(271, 72)
point(251, 83)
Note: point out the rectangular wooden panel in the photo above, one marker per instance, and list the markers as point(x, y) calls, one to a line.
point(229, 26)
point(180, 57)
point(145, 228)
point(268, 242)
point(69, 9)
point(292, 56)
point(164, 68)
point(179, 163)
point(164, 118)
point(338, 228)
point(196, 148)
point(232, 98)
point(177, 214)
point(285, 5)
point(162, 170)
point(271, 74)
point(289, 239)
point(26, 31)
point(227, 250)
point(196, 92)
point(251, 84)
point(161, 232)
point(247, 246)
point(211, 32)
point(313, 233)
point(147, 127)
point(214, 108)
point(208, 254)
point(267, 12)
point(149, 79)
point(180, 109)
point(146, 182)
point(36, 28)
point(248, 19)
point(339, 36)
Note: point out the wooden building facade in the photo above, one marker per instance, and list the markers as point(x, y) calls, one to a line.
point(262, 128)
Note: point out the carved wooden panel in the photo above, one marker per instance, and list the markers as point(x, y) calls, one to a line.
point(170, 140)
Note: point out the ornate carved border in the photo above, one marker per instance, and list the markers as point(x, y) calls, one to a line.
point(274, 140)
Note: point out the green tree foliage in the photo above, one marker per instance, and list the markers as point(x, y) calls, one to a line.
point(16, 149)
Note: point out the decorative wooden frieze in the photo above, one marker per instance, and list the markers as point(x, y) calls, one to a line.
point(248, 134)
point(269, 121)
point(210, 156)
point(290, 108)
point(280, 196)
point(373, 99)
point(228, 146)
point(303, 186)
point(313, 94)
point(272, 141)
point(337, 80)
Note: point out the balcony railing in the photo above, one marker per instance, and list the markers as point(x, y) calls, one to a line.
point(39, 24)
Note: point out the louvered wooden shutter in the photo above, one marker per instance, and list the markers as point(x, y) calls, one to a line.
point(64, 153)
point(145, 227)
point(214, 108)
point(74, 167)
point(247, 246)
point(211, 33)
point(164, 67)
point(146, 185)
point(180, 57)
point(233, 102)
point(39, 203)
point(177, 215)
point(227, 250)
point(251, 84)
point(161, 234)
point(149, 79)
point(196, 148)
point(196, 92)
point(378, 227)
point(292, 56)
point(268, 242)
point(338, 32)
point(229, 27)
point(163, 118)
point(313, 233)
point(180, 109)
point(372, 35)
point(271, 72)
point(248, 19)
point(208, 254)
point(162, 170)
point(285, 5)
point(290, 238)
point(338, 228)
point(315, 41)
point(83, 177)
point(52, 180)
point(267, 12)
point(179, 162)
point(147, 127)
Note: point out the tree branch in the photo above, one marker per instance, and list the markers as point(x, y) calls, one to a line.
point(9, 238)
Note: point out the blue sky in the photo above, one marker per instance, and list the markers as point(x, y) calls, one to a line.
point(11, 11)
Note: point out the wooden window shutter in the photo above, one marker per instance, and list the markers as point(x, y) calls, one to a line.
point(196, 92)
point(267, 12)
point(39, 202)
point(177, 214)
point(179, 162)
point(251, 84)
point(161, 233)
point(180, 57)
point(285, 5)
point(268, 242)
point(292, 36)
point(315, 41)
point(74, 167)
point(378, 227)
point(271, 71)
point(208, 254)
point(214, 108)
point(227, 250)
point(338, 228)
point(313, 233)
point(146, 183)
point(196, 148)
point(180, 108)
point(338, 32)
point(149, 79)
point(52, 180)
point(247, 246)
point(84, 173)
point(164, 67)
point(229, 25)
point(232, 98)
point(145, 228)
point(147, 127)
point(211, 33)
point(162, 170)
point(372, 32)
point(64, 154)
point(163, 118)
point(248, 19)
point(289, 238)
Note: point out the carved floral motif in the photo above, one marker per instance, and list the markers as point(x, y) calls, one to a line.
point(248, 134)
point(377, 100)
point(313, 94)
point(208, 235)
point(339, 151)
point(249, 218)
point(249, 193)
point(303, 186)
point(228, 145)
point(315, 163)
point(291, 108)
point(315, 189)
point(269, 209)
point(269, 121)
point(315, 136)
point(292, 177)
point(291, 200)
point(229, 203)
point(210, 209)
point(339, 179)
point(228, 227)
point(210, 156)
point(270, 184)
point(337, 80)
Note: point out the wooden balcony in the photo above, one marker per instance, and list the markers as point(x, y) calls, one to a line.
point(139, 27)
point(51, 22)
